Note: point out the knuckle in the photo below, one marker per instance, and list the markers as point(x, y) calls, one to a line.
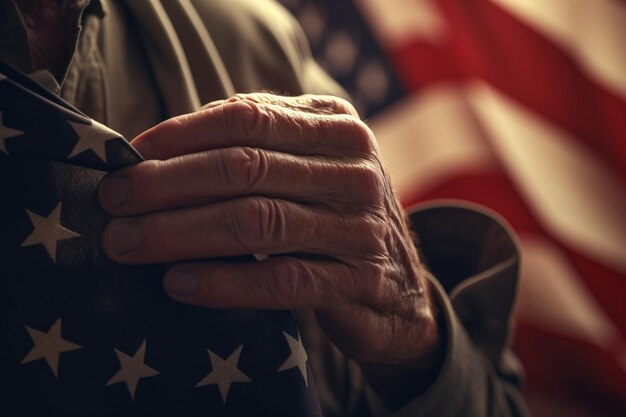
point(259, 223)
point(347, 107)
point(342, 106)
point(241, 169)
point(374, 235)
point(369, 180)
point(246, 120)
point(360, 135)
point(331, 104)
point(297, 124)
point(371, 283)
point(237, 97)
point(292, 282)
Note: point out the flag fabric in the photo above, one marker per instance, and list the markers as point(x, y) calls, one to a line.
point(519, 106)
point(84, 336)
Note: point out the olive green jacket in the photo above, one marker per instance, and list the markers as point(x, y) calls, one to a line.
point(137, 62)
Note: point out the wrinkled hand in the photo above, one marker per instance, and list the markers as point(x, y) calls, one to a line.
point(296, 178)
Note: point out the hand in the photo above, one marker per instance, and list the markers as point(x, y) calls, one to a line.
point(299, 179)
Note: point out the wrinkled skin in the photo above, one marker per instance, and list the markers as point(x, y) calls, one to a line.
point(299, 179)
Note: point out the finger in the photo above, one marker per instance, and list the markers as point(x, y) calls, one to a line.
point(318, 104)
point(246, 123)
point(213, 104)
point(276, 283)
point(236, 227)
point(235, 172)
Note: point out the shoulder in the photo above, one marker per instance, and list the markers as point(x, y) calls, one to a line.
point(263, 47)
point(243, 18)
point(257, 40)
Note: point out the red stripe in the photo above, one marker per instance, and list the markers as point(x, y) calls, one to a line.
point(607, 285)
point(486, 42)
point(555, 368)
point(420, 64)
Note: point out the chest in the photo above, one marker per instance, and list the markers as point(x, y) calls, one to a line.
point(47, 34)
point(109, 77)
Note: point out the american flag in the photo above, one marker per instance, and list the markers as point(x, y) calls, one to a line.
point(519, 106)
point(81, 335)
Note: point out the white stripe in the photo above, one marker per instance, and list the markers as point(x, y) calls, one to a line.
point(429, 137)
point(574, 194)
point(396, 21)
point(552, 296)
point(593, 31)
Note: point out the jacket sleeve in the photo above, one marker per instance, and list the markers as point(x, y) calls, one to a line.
point(473, 261)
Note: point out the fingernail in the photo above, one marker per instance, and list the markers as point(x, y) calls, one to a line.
point(180, 282)
point(113, 192)
point(122, 236)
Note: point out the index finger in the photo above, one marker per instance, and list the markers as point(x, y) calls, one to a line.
point(247, 123)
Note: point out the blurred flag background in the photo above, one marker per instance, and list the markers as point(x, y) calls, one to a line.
point(518, 105)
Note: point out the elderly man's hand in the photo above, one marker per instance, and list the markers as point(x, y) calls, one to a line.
point(298, 179)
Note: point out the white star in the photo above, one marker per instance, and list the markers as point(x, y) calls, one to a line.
point(132, 369)
point(49, 346)
point(224, 372)
point(297, 358)
point(92, 137)
point(48, 231)
point(6, 132)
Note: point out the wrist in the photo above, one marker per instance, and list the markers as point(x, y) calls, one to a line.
point(398, 383)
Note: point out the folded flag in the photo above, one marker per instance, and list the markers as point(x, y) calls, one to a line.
point(82, 334)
